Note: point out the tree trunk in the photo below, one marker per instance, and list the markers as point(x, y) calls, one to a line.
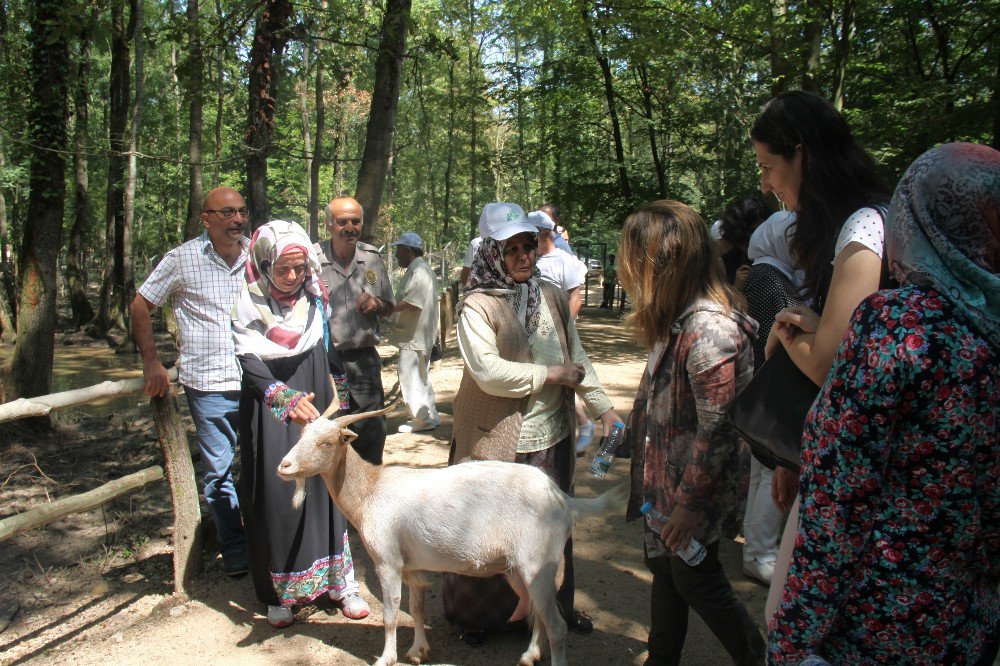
point(269, 40)
point(76, 273)
point(195, 79)
point(996, 96)
point(609, 94)
point(120, 94)
point(124, 266)
point(451, 147)
point(522, 157)
point(7, 325)
point(812, 35)
point(317, 161)
point(31, 370)
point(382, 113)
point(340, 132)
point(220, 100)
point(307, 140)
point(778, 44)
point(844, 35)
point(647, 108)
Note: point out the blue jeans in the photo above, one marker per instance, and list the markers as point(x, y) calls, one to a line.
point(216, 415)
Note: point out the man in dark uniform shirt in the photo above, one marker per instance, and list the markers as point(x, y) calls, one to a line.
point(360, 293)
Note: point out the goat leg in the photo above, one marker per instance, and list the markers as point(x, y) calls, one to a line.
point(390, 576)
point(421, 649)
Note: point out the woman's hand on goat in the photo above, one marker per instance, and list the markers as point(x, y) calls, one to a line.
point(567, 374)
point(679, 530)
point(304, 411)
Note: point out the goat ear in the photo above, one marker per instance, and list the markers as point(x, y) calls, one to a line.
point(347, 436)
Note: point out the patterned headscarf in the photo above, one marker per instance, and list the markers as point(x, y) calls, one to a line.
point(267, 322)
point(489, 275)
point(943, 230)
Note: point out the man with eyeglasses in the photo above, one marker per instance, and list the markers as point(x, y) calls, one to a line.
point(360, 293)
point(202, 279)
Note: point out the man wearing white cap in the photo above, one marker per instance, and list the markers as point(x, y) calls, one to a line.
point(414, 331)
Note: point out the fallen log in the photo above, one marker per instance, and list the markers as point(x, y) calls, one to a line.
point(43, 515)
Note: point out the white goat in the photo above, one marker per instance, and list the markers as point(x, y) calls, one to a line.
point(476, 519)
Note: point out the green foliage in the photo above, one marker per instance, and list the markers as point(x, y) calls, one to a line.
point(505, 99)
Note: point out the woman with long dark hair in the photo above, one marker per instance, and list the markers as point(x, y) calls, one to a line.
point(811, 162)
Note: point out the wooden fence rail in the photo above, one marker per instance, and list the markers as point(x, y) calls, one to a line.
point(177, 462)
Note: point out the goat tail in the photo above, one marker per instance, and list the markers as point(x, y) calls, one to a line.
point(609, 502)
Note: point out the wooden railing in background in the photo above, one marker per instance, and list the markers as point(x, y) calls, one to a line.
point(177, 463)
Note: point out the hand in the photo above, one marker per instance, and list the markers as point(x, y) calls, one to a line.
point(367, 304)
point(679, 530)
point(741, 277)
point(784, 488)
point(608, 420)
point(157, 380)
point(304, 411)
point(567, 374)
point(798, 319)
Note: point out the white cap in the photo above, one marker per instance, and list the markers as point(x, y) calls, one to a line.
point(410, 239)
point(541, 220)
point(500, 221)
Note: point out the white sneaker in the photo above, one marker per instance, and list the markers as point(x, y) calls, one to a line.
point(760, 571)
point(279, 616)
point(418, 425)
point(586, 436)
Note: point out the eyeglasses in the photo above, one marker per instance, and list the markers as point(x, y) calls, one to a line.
point(228, 213)
point(283, 271)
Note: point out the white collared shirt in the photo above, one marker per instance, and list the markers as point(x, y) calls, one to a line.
point(202, 288)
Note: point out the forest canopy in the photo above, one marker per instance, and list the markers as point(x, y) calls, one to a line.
point(119, 114)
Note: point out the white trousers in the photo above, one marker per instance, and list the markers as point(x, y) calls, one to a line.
point(762, 520)
point(782, 563)
point(415, 383)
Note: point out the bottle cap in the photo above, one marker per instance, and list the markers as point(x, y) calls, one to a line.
point(646, 506)
point(619, 424)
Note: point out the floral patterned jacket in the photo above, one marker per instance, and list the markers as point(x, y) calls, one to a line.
point(684, 449)
point(897, 556)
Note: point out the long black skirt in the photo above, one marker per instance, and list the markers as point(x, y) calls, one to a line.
point(295, 555)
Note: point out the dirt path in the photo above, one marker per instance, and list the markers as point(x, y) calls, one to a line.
point(94, 589)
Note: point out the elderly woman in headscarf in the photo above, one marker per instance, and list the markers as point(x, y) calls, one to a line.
point(523, 363)
point(282, 343)
point(897, 555)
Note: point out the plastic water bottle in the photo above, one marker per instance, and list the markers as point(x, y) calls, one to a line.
point(605, 455)
point(692, 555)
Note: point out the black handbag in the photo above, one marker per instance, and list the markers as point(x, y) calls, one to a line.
point(771, 411)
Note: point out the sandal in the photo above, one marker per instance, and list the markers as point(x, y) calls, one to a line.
point(354, 607)
point(279, 617)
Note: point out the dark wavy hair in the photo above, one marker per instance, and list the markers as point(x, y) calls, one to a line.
point(838, 177)
point(742, 217)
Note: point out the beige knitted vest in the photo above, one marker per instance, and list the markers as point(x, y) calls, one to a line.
point(487, 427)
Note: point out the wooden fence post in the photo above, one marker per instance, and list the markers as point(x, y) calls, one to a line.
point(183, 492)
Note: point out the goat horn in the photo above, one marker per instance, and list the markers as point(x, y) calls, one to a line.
point(335, 403)
point(348, 419)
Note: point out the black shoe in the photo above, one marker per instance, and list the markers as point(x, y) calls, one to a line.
point(580, 622)
point(474, 637)
point(235, 566)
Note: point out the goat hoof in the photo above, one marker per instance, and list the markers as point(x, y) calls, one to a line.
point(385, 661)
point(529, 658)
point(417, 655)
